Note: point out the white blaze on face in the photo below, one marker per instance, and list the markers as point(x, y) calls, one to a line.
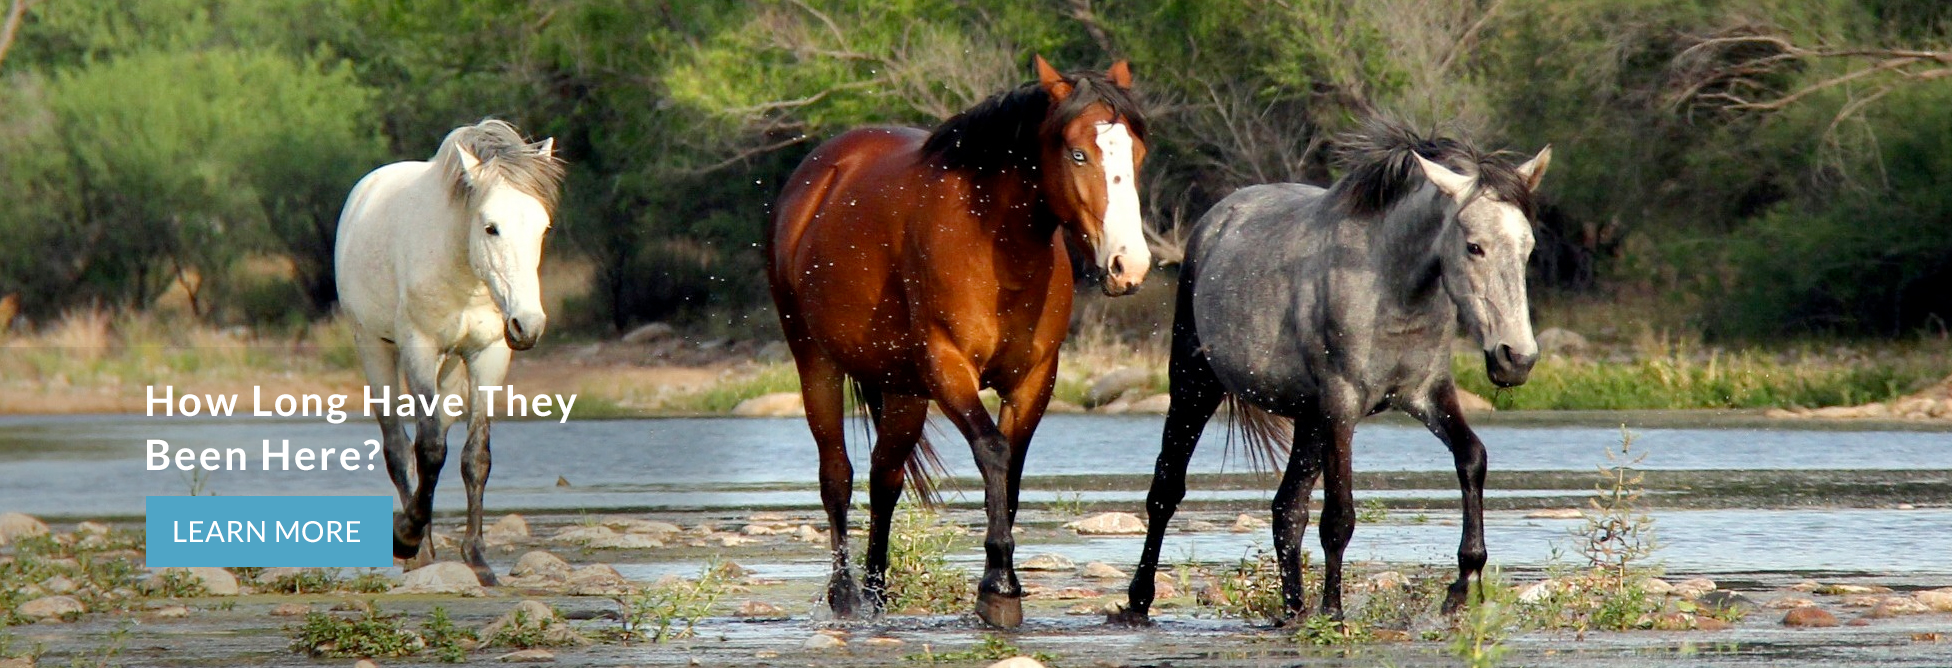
point(508, 259)
point(1507, 256)
point(1124, 234)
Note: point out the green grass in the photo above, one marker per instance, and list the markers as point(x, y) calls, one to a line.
point(1678, 380)
point(723, 396)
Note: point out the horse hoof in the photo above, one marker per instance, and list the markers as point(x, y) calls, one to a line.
point(485, 575)
point(1000, 611)
point(405, 550)
point(1129, 616)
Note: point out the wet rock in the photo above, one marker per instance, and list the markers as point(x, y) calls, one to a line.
point(58, 584)
point(540, 564)
point(1806, 586)
point(629, 541)
point(1723, 599)
point(1385, 581)
point(1809, 617)
point(1693, 588)
point(528, 656)
point(51, 607)
point(1099, 570)
point(596, 580)
point(733, 571)
point(759, 610)
point(652, 528)
point(1163, 587)
point(1018, 662)
point(1073, 593)
point(1657, 587)
point(562, 481)
point(1670, 621)
point(447, 577)
point(1473, 404)
point(734, 540)
point(1860, 621)
point(1789, 603)
point(1851, 590)
point(217, 581)
point(807, 534)
point(1937, 599)
point(648, 333)
point(1862, 600)
point(365, 663)
point(1706, 623)
point(820, 641)
point(1048, 562)
point(883, 642)
point(290, 610)
point(1245, 523)
point(1390, 635)
point(1555, 514)
point(510, 528)
point(91, 528)
point(1895, 606)
point(1108, 524)
point(1561, 341)
point(1089, 610)
point(1538, 591)
point(535, 619)
point(14, 526)
point(1156, 404)
point(777, 404)
point(172, 612)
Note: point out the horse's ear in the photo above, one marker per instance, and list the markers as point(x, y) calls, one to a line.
point(1533, 171)
point(1121, 74)
point(1052, 81)
point(469, 163)
point(546, 148)
point(1452, 183)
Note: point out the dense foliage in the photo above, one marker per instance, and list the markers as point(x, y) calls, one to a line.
point(203, 147)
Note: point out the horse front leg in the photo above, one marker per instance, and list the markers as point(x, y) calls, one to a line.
point(1338, 508)
point(486, 368)
point(954, 382)
point(424, 366)
point(1442, 415)
point(1196, 394)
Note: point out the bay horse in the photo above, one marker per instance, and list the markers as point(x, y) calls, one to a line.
point(1310, 309)
point(436, 263)
point(929, 265)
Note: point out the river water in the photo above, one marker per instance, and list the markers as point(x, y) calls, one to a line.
point(79, 467)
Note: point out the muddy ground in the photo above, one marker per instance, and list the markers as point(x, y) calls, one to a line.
point(785, 569)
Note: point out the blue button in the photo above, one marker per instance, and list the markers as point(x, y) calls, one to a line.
point(302, 531)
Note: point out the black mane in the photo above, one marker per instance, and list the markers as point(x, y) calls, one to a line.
point(1008, 129)
point(1381, 171)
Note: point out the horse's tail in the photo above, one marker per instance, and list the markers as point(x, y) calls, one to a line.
point(924, 464)
point(1266, 437)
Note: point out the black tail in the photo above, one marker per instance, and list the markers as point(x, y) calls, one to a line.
point(924, 464)
point(1266, 437)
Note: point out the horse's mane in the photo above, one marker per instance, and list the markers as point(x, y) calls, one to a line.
point(1380, 170)
point(1007, 129)
point(505, 158)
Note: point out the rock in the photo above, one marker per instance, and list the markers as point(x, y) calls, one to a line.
point(217, 581)
point(648, 333)
point(884, 642)
point(777, 404)
point(820, 641)
point(759, 610)
point(1109, 524)
point(1789, 603)
point(1114, 384)
point(1099, 570)
point(1245, 523)
point(1657, 587)
point(1806, 585)
point(1556, 514)
point(509, 528)
point(1048, 562)
point(629, 541)
point(1560, 341)
point(1062, 406)
point(15, 661)
point(1538, 591)
point(1851, 589)
point(1385, 581)
point(172, 612)
point(533, 617)
point(537, 563)
point(290, 610)
point(1088, 610)
point(584, 534)
point(58, 584)
point(1899, 605)
point(1156, 404)
point(807, 534)
point(528, 656)
point(652, 528)
point(562, 481)
point(1473, 404)
point(1670, 621)
point(1809, 617)
point(596, 580)
point(447, 577)
point(92, 528)
point(1937, 599)
point(1723, 599)
point(51, 607)
point(1693, 588)
point(1018, 662)
point(1862, 600)
point(365, 663)
point(1390, 635)
point(1073, 593)
point(1706, 623)
point(15, 526)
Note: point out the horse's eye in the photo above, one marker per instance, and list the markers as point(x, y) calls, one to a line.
point(1077, 156)
point(494, 231)
point(1475, 249)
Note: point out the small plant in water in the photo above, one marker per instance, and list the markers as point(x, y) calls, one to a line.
point(673, 607)
point(1252, 589)
point(1617, 534)
point(448, 642)
point(1372, 510)
point(919, 574)
point(1480, 631)
point(992, 648)
point(373, 634)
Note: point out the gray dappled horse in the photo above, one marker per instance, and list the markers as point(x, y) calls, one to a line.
point(1326, 306)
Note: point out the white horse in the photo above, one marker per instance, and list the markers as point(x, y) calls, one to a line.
point(436, 265)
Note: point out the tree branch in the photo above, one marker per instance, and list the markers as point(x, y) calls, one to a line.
point(15, 13)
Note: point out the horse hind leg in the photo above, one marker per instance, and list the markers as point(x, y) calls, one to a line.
point(1290, 507)
point(486, 369)
point(899, 421)
point(822, 390)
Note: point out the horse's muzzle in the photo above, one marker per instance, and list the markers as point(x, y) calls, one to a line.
point(522, 335)
point(1507, 368)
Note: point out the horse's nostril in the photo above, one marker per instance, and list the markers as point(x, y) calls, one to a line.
point(1118, 265)
point(515, 326)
